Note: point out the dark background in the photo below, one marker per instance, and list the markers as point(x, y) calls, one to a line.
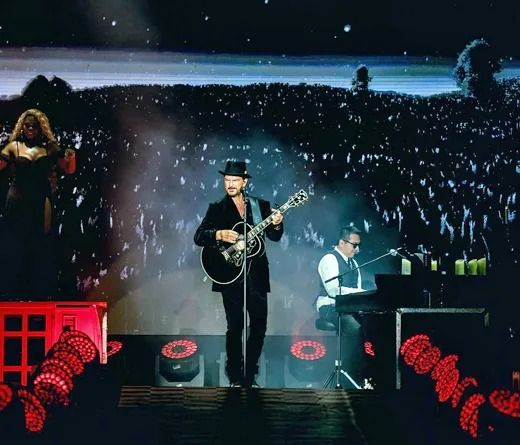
point(377, 27)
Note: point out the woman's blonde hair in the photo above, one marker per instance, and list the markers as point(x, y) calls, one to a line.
point(43, 120)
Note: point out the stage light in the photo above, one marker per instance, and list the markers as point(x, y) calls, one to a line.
point(179, 360)
point(369, 348)
point(52, 382)
point(82, 343)
point(468, 419)
point(179, 349)
point(6, 395)
point(307, 360)
point(52, 388)
point(446, 376)
point(308, 350)
point(57, 365)
point(505, 401)
point(427, 360)
point(413, 347)
point(113, 347)
point(68, 354)
point(35, 414)
point(444, 366)
point(447, 384)
point(465, 383)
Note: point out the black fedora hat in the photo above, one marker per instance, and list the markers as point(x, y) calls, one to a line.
point(235, 168)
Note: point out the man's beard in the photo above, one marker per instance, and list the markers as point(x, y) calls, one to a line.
point(233, 192)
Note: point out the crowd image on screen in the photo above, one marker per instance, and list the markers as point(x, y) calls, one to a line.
point(441, 172)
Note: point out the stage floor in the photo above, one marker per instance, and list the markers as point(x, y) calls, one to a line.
point(135, 415)
point(288, 416)
point(128, 402)
point(263, 416)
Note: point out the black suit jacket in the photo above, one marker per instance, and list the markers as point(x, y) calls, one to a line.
point(223, 215)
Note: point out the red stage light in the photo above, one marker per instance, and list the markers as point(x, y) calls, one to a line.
point(68, 354)
point(412, 340)
point(473, 424)
point(179, 361)
point(447, 384)
point(461, 387)
point(179, 349)
point(52, 389)
point(50, 395)
point(113, 347)
point(6, 395)
point(468, 419)
point(506, 402)
point(82, 342)
point(62, 384)
point(412, 347)
point(35, 414)
point(427, 359)
point(444, 366)
point(447, 376)
point(308, 350)
point(307, 361)
point(57, 365)
point(369, 348)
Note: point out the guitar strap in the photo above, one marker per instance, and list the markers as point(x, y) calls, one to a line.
point(255, 210)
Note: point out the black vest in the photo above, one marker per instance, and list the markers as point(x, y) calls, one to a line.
point(349, 279)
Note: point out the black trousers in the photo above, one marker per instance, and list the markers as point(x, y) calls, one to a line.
point(257, 310)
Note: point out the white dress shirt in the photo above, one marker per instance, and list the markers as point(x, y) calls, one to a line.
point(328, 267)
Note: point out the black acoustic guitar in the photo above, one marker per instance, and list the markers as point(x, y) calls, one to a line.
point(225, 264)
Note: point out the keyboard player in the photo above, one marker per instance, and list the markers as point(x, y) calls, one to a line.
point(340, 260)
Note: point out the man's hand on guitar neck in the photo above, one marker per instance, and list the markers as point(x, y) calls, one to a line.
point(228, 236)
point(277, 219)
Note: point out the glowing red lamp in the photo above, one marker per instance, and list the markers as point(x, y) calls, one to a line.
point(179, 360)
point(307, 360)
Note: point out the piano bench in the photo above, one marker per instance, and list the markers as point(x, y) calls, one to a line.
point(324, 325)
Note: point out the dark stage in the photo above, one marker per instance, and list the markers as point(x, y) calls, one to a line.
point(68, 382)
point(106, 410)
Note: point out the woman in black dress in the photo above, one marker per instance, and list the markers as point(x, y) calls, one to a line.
point(33, 158)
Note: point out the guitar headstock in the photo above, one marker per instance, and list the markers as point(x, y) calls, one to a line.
point(298, 199)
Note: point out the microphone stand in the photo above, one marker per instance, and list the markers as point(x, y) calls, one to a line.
point(244, 330)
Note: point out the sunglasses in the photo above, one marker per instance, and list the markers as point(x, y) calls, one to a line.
point(29, 125)
point(354, 245)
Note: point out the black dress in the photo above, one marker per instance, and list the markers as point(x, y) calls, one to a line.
point(29, 262)
point(27, 196)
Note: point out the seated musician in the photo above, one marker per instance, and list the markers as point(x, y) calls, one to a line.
point(341, 261)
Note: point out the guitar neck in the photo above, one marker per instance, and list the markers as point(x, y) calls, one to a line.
point(260, 227)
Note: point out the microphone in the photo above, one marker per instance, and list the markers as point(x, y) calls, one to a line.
point(395, 252)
